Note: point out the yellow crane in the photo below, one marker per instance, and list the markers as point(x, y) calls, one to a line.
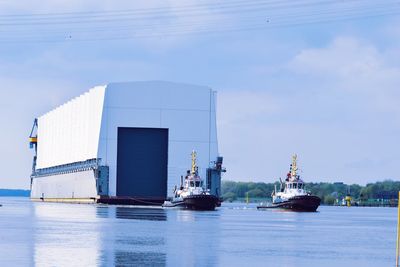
point(33, 140)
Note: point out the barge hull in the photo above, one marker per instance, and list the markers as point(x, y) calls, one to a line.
point(105, 200)
point(140, 201)
point(66, 200)
point(82, 186)
point(73, 185)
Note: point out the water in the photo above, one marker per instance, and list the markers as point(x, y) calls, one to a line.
point(47, 234)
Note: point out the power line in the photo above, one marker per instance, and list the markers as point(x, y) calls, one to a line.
point(107, 16)
point(201, 23)
point(182, 8)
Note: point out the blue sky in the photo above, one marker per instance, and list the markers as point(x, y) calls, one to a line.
point(316, 78)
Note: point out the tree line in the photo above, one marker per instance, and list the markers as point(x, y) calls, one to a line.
point(328, 192)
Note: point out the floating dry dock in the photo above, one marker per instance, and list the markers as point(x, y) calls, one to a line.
point(124, 143)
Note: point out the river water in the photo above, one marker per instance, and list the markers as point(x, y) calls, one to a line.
point(50, 234)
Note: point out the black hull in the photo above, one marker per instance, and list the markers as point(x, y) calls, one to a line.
point(298, 203)
point(201, 202)
point(196, 202)
point(219, 203)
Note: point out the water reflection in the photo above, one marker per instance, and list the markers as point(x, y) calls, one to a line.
point(93, 235)
point(45, 234)
point(193, 238)
point(193, 216)
point(129, 258)
point(65, 235)
point(142, 241)
point(133, 236)
point(102, 212)
point(140, 214)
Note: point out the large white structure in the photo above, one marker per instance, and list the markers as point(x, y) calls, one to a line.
point(142, 133)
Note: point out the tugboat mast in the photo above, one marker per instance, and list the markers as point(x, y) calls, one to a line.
point(294, 167)
point(194, 165)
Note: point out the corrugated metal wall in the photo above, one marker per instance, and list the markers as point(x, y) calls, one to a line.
point(70, 133)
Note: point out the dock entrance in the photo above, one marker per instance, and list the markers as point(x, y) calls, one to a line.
point(142, 162)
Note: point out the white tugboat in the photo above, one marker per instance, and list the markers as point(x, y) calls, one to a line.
point(191, 194)
point(293, 195)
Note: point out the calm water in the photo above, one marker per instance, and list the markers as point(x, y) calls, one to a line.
point(45, 234)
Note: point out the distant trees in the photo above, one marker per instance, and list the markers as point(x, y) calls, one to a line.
point(229, 196)
point(381, 190)
point(328, 192)
point(328, 200)
point(233, 190)
point(336, 190)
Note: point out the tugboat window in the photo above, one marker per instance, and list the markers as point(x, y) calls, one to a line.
point(192, 184)
point(197, 184)
point(294, 186)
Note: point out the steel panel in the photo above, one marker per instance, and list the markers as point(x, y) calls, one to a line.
point(71, 185)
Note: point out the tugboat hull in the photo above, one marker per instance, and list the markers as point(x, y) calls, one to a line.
point(174, 204)
point(297, 203)
point(195, 202)
point(201, 202)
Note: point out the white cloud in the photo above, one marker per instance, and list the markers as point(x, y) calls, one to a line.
point(344, 57)
point(236, 107)
point(349, 64)
point(349, 112)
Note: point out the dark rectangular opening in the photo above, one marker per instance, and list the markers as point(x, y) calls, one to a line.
point(142, 162)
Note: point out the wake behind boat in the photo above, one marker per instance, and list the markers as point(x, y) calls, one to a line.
point(292, 195)
point(191, 194)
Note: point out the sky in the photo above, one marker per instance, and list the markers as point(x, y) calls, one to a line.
point(316, 78)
